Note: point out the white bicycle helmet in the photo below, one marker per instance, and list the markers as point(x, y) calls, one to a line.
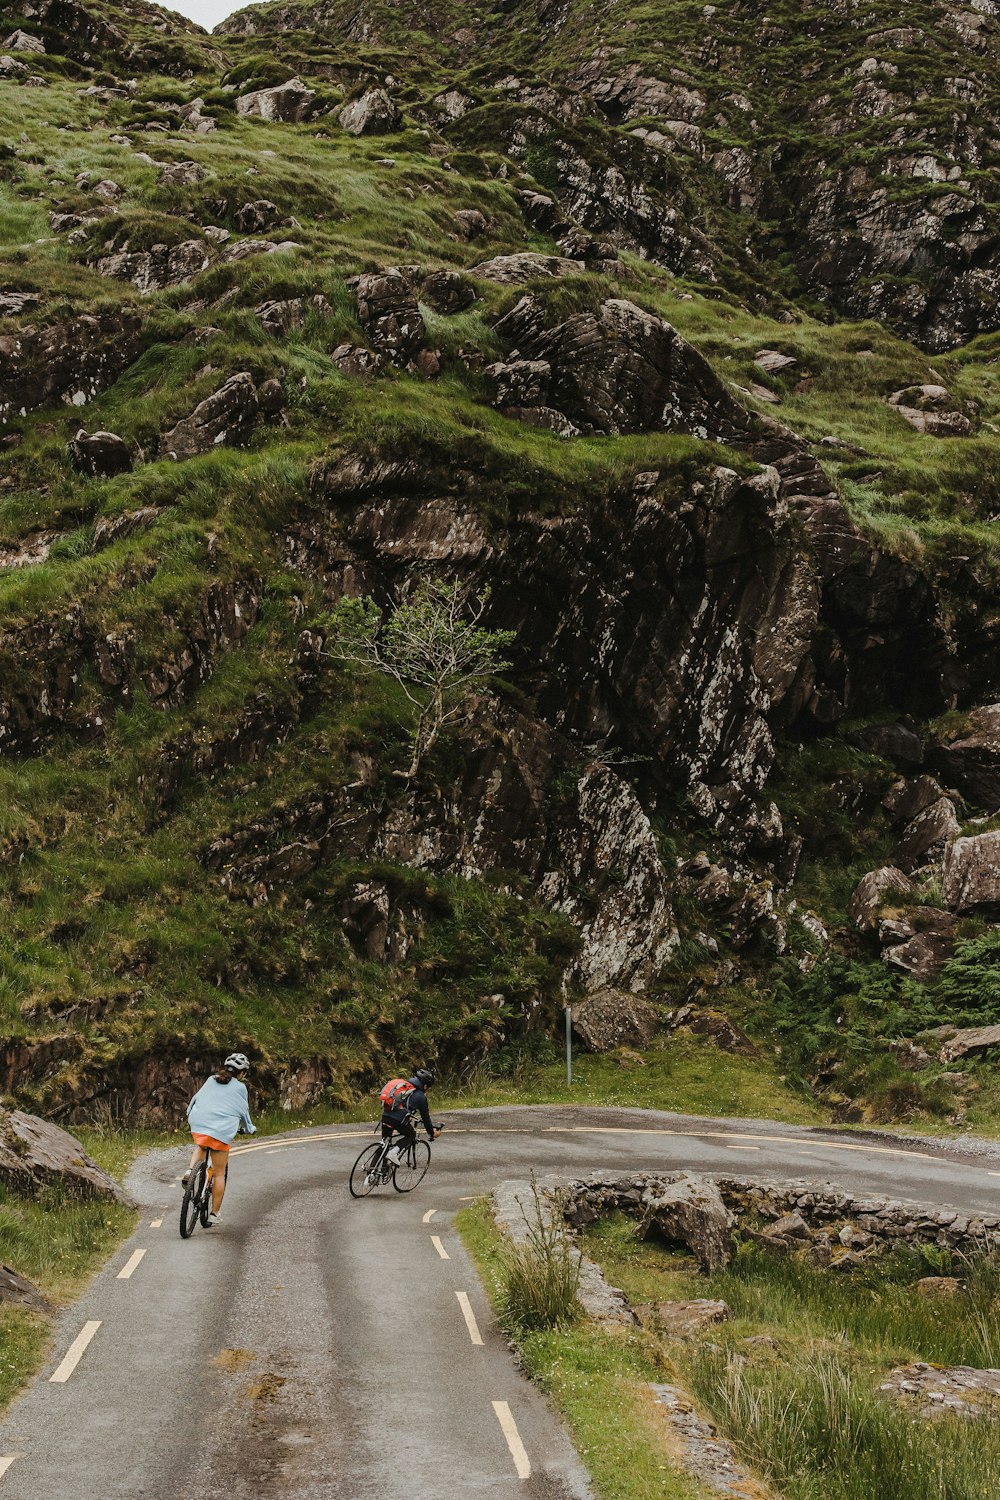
point(237, 1062)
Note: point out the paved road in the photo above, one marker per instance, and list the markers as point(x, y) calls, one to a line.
point(313, 1346)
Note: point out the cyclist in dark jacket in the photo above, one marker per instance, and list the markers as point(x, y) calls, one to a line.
point(400, 1120)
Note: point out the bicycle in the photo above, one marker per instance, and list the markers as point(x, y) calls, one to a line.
point(197, 1201)
point(374, 1169)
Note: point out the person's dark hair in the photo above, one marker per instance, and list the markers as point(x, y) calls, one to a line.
point(223, 1075)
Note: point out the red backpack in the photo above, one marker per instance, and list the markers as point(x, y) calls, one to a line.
point(395, 1092)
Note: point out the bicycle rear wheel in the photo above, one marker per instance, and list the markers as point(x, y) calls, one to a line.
point(191, 1202)
point(411, 1170)
point(206, 1201)
point(363, 1178)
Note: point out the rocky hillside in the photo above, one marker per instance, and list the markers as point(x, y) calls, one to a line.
point(672, 338)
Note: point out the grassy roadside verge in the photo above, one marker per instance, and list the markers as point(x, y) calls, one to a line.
point(794, 1377)
point(597, 1381)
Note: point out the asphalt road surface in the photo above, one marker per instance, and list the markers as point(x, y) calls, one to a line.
point(316, 1346)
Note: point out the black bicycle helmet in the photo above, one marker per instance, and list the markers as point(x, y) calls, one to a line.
point(424, 1078)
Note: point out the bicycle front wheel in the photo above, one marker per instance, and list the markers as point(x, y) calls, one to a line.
point(364, 1177)
point(191, 1202)
point(412, 1168)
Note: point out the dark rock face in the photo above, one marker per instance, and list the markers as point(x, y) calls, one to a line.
point(34, 1153)
point(18, 1291)
point(972, 760)
point(619, 370)
point(872, 892)
point(446, 292)
point(612, 1018)
point(164, 265)
point(388, 313)
point(68, 362)
point(100, 454)
point(972, 872)
point(928, 833)
point(228, 416)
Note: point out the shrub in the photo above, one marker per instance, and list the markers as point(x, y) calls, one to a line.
point(540, 1277)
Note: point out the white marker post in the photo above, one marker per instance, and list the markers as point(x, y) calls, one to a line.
point(569, 1044)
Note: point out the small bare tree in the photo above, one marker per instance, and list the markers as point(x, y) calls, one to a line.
point(432, 644)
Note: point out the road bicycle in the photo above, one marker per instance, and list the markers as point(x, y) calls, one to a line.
point(196, 1205)
point(374, 1169)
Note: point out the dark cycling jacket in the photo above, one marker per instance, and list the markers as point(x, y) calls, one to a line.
point(415, 1104)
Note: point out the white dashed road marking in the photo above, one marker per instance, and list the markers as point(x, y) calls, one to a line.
point(470, 1317)
point(155, 1223)
point(5, 1463)
point(74, 1354)
point(428, 1216)
point(436, 1242)
point(508, 1427)
point(126, 1271)
point(740, 1148)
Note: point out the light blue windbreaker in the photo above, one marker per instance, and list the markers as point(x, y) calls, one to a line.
point(219, 1109)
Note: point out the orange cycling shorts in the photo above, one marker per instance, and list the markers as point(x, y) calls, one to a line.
point(209, 1143)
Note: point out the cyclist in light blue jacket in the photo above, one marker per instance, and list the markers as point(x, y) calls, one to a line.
point(218, 1111)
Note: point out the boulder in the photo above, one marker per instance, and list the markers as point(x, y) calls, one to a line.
point(726, 1035)
point(446, 292)
point(195, 118)
point(356, 360)
point(772, 362)
point(972, 872)
point(257, 215)
point(10, 67)
point(526, 265)
point(388, 312)
point(905, 799)
point(971, 761)
point(470, 223)
point(17, 1291)
point(681, 1320)
point(872, 892)
point(34, 1154)
point(228, 416)
point(928, 834)
point(111, 529)
point(163, 265)
point(940, 1288)
point(612, 1018)
point(935, 1391)
point(100, 454)
point(908, 1056)
point(373, 114)
point(452, 105)
point(971, 1042)
point(925, 408)
point(68, 362)
point(921, 954)
point(689, 1211)
point(23, 41)
point(892, 741)
point(181, 174)
point(288, 102)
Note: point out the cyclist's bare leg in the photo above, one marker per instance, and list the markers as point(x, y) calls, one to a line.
point(220, 1160)
point(198, 1154)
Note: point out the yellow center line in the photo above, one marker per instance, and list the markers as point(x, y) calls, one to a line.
point(74, 1354)
point(470, 1318)
point(130, 1265)
point(508, 1427)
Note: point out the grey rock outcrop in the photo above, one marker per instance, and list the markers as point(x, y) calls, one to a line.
point(163, 265)
point(614, 1018)
point(289, 102)
point(66, 362)
point(872, 892)
point(34, 1153)
point(446, 292)
point(374, 113)
point(100, 454)
point(972, 872)
point(682, 1319)
point(933, 1392)
point(971, 760)
point(525, 266)
point(18, 1291)
point(24, 41)
point(926, 408)
point(928, 834)
point(973, 1041)
point(388, 312)
point(689, 1211)
point(228, 416)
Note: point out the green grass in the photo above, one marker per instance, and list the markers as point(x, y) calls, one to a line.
point(803, 1401)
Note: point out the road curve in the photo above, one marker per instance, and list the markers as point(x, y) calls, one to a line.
point(313, 1346)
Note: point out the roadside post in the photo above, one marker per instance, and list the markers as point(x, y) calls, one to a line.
point(569, 1044)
